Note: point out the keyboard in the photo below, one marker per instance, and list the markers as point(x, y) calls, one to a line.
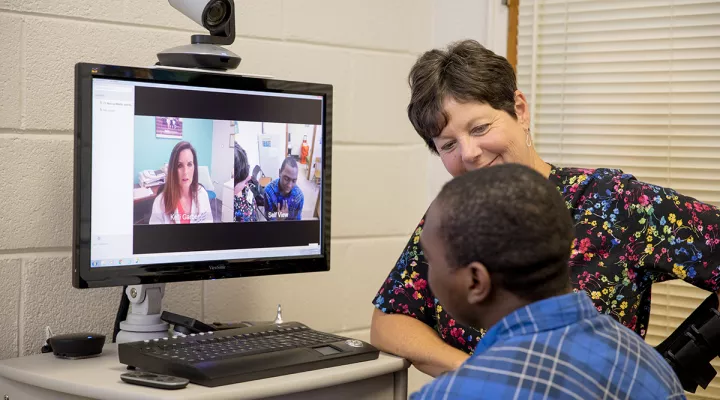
point(239, 355)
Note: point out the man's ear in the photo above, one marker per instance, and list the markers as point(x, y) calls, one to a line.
point(480, 285)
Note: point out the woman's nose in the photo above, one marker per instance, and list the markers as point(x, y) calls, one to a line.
point(469, 152)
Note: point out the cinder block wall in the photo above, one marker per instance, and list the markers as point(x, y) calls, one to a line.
point(364, 49)
point(382, 178)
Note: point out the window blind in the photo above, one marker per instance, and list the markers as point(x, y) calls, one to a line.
point(632, 85)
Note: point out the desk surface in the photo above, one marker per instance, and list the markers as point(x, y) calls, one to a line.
point(99, 377)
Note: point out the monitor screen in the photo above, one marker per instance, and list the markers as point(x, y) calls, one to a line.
point(198, 175)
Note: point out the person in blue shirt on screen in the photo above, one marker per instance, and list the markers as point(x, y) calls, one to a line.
point(284, 198)
point(498, 242)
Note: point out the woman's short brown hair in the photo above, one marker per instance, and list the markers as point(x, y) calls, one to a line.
point(465, 71)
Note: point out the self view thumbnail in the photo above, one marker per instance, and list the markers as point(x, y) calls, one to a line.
point(190, 171)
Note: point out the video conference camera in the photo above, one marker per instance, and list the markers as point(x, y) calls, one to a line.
point(205, 51)
point(217, 16)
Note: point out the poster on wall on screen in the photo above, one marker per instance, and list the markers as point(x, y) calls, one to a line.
point(168, 128)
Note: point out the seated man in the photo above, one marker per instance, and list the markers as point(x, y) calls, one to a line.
point(497, 241)
point(284, 199)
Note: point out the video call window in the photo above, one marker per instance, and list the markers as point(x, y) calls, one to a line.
point(216, 174)
point(190, 171)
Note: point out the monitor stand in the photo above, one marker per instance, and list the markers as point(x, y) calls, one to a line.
point(143, 319)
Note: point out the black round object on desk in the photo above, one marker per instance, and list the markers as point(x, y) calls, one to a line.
point(77, 345)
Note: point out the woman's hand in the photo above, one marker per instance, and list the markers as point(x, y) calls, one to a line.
point(418, 343)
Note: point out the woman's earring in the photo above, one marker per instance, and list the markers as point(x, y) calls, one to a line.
point(528, 142)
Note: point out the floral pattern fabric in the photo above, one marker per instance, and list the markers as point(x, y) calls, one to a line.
point(245, 206)
point(629, 235)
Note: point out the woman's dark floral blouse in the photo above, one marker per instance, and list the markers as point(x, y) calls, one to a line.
point(629, 235)
point(245, 206)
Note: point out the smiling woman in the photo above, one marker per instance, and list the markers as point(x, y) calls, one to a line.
point(466, 107)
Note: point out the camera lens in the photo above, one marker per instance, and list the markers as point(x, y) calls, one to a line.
point(216, 13)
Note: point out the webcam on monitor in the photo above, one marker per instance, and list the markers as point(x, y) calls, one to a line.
point(205, 51)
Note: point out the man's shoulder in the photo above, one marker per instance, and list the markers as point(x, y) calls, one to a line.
point(586, 352)
point(272, 187)
point(493, 374)
point(601, 336)
point(617, 336)
point(297, 193)
point(624, 346)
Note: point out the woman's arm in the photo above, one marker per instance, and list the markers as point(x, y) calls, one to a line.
point(678, 236)
point(405, 315)
point(158, 211)
point(205, 209)
point(415, 341)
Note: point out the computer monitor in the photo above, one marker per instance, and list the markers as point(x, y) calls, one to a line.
point(186, 175)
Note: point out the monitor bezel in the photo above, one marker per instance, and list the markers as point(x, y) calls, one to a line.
point(85, 276)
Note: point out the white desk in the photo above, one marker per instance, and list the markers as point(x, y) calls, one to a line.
point(45, 376)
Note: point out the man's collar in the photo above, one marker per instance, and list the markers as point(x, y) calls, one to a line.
point(544, 315)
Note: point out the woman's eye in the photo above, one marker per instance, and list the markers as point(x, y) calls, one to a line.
point(447, 146)
point(479, 130)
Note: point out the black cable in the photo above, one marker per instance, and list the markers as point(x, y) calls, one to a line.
point(121, 315)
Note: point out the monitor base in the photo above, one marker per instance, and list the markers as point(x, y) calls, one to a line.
point(143, 319)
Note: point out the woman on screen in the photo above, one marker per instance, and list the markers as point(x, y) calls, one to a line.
point(245, 204)
point(183, 200)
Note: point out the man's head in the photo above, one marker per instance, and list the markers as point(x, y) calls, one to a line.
point(288, 175)
point(495, 238)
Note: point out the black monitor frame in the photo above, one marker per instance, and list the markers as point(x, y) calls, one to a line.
point(85, 276)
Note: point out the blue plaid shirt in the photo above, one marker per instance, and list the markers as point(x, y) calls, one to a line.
point(295, 201)
point(560, 347)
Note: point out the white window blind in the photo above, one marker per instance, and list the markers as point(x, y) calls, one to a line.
point(632, 85)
